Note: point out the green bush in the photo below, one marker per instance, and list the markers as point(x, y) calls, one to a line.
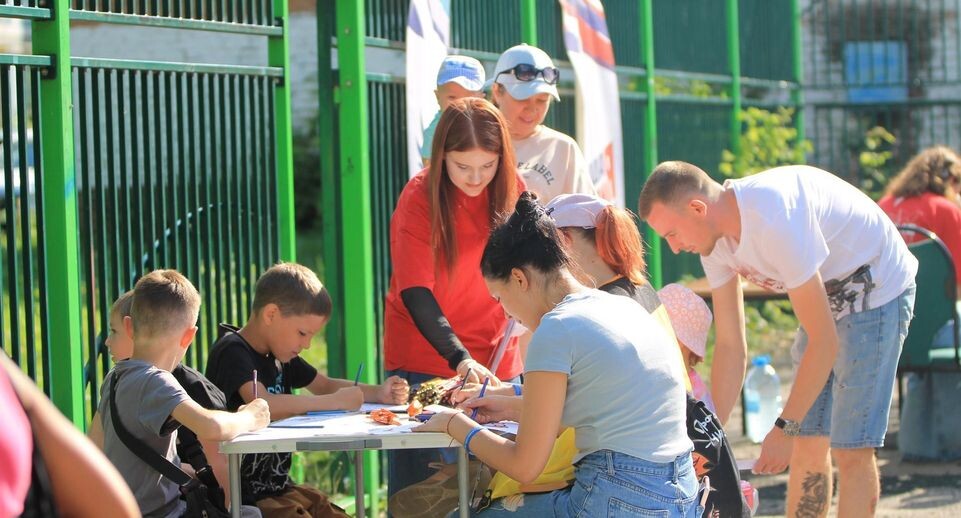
point(768, 139)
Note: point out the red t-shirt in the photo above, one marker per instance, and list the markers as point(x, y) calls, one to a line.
point(476, 318)
point(931, 211)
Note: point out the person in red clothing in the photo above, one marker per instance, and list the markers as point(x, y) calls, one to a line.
point(925, 193)
point(439, 318)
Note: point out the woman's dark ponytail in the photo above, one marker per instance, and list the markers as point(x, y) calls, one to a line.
point(528, 238)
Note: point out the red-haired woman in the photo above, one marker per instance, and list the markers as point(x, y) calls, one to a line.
point(439, 317)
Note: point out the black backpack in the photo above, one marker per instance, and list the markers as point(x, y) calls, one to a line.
point(713, 457)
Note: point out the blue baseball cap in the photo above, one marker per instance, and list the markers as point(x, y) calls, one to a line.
point(463, 70)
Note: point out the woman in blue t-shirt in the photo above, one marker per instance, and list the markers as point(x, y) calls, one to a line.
point(596, 362)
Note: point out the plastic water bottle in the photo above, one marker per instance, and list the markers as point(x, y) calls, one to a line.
point(762, 398)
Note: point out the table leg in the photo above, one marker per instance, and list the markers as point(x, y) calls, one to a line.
point(233, 468)
point(360, 511)
point(463, 483)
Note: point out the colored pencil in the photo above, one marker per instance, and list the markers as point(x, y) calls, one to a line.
point(473, 415)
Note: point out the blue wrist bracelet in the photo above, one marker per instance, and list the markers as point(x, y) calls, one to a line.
point(470, 435)
point(517, 389)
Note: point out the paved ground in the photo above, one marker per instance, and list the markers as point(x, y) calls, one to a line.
point(907, 489)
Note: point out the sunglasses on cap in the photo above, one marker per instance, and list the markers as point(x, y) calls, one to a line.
point(526, 72)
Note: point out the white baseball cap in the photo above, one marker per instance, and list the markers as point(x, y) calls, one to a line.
point(463, 70)
point(524, 55)
point(576, 210)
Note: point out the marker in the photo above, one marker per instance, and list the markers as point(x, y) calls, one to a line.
point(473, 415)
point(255, 383)
point(360, 368)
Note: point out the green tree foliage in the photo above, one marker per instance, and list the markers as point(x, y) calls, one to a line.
point(768, 139)
point(875, 161)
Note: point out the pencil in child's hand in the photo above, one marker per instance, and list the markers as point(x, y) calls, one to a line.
point(473, 415)
point(360, 368)
point(255, 383)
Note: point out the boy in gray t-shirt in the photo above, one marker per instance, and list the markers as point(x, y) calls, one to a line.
point(150, 403)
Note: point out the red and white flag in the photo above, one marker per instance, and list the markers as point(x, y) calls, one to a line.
point(598, 103)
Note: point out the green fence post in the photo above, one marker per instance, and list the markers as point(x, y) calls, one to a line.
point(357, 252)
point(734, 65)
point(51, 37)
point(797, 95)
point(650, 134)
point(529, 21)
point(278, 55)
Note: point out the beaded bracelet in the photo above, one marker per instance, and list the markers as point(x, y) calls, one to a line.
point(470, 435)
point(517, 389)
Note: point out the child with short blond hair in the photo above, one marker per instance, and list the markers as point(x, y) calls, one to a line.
point(691, 319)
point(150, 403)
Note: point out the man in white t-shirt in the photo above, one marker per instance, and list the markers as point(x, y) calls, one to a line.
point(850, 279)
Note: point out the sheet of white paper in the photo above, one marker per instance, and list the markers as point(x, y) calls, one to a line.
point(302, 421)
point(503, 427)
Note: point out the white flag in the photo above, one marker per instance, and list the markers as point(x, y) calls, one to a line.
point(428, 36)
point(598, 102)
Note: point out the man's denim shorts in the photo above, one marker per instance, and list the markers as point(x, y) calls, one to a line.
point(854, 404)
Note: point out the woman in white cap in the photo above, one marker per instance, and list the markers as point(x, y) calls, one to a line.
point(525, 81)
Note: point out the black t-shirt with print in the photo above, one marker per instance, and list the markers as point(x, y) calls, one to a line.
point(231, 364)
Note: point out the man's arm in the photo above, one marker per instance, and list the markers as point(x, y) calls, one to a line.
point(813, 312)
point(811, 307)
point(730, 349)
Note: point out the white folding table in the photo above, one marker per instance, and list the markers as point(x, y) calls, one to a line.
point(348, 432)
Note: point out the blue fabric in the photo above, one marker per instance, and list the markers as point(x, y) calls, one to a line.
point(614, 485)
point(854, 405)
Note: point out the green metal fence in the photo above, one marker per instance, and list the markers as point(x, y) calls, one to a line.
point(684, 108)
point(144, 165)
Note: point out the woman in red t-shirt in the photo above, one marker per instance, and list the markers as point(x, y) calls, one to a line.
point(439, 319)
point(925, 193)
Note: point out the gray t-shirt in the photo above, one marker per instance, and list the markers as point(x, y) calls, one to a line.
point(623, 388)
point(146, 397)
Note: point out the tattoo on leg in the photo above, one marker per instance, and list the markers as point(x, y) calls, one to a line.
point(814, 500)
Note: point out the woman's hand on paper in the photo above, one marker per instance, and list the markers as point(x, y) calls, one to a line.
point(491, 409)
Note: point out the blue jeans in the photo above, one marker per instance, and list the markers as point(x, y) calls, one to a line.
point(612, 484)
point(854, 403)
point(408, 467)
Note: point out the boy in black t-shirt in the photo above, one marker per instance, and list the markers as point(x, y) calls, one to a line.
point(290, 306)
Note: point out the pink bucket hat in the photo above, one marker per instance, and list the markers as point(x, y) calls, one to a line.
point(689, 314)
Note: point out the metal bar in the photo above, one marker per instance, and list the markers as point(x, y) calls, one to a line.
point(355, 196)
point(43, 309)
point(654, 261)
point(83, 207)
point(278, 52)
point(221, 201)
point(12, 271)
point(249, 167)
point(529, 22)
point(159, 242)
point(115, 250)
point(360, 510)
point(797, 54)
point(155, 20)
point(734, 66)
point(169, 174)
point(21, 59)
point(98, 281)
point(26, 244)
point(207, 205)
point(233, 188)
point(52, 37)
point(164, 66)
point(25, 13)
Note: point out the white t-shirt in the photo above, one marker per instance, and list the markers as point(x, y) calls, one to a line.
point(623, 388)
point(552, 164)
point(798, 220)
